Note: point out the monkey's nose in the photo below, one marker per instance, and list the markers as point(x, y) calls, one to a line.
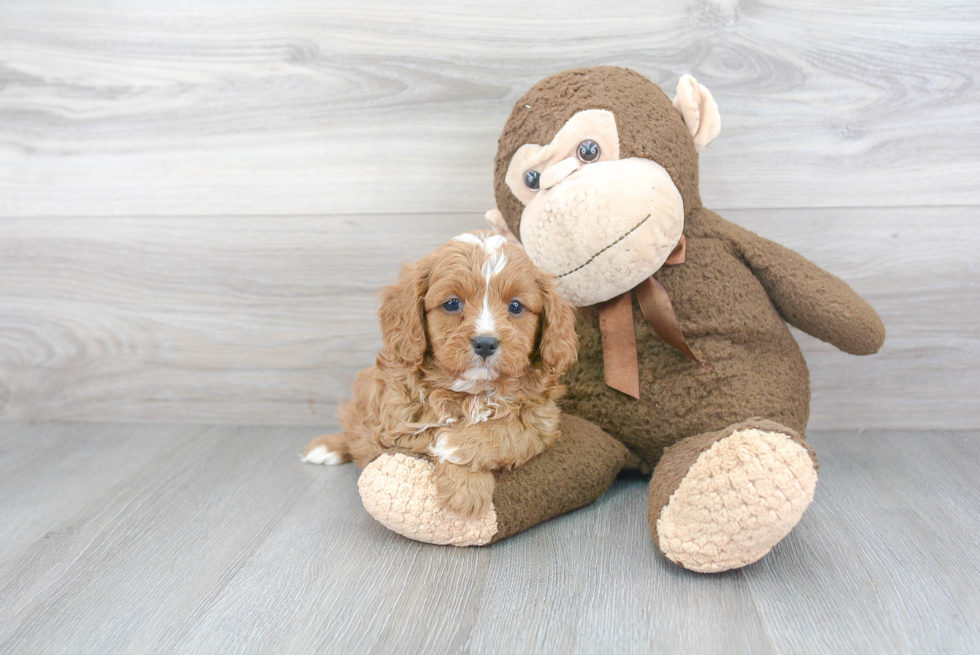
point(558, 172)
point(485, 346)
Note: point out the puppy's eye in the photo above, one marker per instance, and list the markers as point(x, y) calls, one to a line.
point(588, 151)
point(515, 307)
point(452, 305)
point(532, 179)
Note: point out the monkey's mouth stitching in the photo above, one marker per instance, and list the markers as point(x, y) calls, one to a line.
point(590, 260)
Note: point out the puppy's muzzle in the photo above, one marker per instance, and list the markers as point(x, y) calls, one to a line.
point(485, 346)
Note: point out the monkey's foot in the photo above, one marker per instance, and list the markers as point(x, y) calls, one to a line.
point(399, 491)
point(722, 500)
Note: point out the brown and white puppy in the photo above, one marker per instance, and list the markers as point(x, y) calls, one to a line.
point(475, 340)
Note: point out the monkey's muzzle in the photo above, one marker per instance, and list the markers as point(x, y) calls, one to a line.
point(604, 227)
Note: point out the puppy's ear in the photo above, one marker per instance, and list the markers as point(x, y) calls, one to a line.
point(402, 316)
point(559, 342)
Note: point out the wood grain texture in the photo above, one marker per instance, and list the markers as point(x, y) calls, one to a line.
point(226, 543)
point(63, 468)
point(231, 317)
point(898, 549)
point(301, 107)
point(205, 507)
point(268, 319)
point(199, 202)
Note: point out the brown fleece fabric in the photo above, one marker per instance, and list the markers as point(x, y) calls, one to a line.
point(648, 125)
point(575, 471)
point(732, 297)
point(733, 323)
point(678, 459)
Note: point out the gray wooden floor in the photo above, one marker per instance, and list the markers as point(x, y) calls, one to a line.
point(198, 539)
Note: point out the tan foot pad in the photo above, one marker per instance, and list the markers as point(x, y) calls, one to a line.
point(738, 500)
point(399, 492)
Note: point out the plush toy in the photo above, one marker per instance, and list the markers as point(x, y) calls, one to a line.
point(686, 365)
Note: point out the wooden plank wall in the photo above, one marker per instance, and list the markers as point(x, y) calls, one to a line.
point(198, 201)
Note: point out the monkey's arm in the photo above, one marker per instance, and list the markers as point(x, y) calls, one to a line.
point(809, 297)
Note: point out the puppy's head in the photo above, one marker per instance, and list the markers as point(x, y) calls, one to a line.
point(482, 310)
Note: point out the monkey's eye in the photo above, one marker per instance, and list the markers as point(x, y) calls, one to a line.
point(588, 151)
point(452, 305)
point(515, 307)
point(533, 180)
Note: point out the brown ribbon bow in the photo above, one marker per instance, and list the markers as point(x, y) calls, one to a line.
point(620, 365)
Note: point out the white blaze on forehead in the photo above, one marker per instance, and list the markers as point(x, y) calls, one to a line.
point(485, 323)
point(491, 242)
point(494, 241)
point(469, 238)
point(495, 262)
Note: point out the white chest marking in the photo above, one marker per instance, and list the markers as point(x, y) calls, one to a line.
point(443, 451)
point(465, 385)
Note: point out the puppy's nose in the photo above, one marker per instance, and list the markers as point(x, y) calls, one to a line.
point(485, 346)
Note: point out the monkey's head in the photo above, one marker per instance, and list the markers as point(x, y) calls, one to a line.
point(595, 171)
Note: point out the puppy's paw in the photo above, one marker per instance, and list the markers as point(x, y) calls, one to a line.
point(464, 493)
point(329, 449)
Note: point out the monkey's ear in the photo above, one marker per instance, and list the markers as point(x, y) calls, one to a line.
point(402, 316)
point(499, 225)
point(699, 109)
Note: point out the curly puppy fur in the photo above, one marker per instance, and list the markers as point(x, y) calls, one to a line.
point(433, 394)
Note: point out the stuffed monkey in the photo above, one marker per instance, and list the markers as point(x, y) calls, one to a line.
point(686, 365)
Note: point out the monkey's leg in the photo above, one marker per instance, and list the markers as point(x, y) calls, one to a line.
point(399, 491)
point(721, 500)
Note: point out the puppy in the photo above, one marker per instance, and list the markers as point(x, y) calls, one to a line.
point(475, 340)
